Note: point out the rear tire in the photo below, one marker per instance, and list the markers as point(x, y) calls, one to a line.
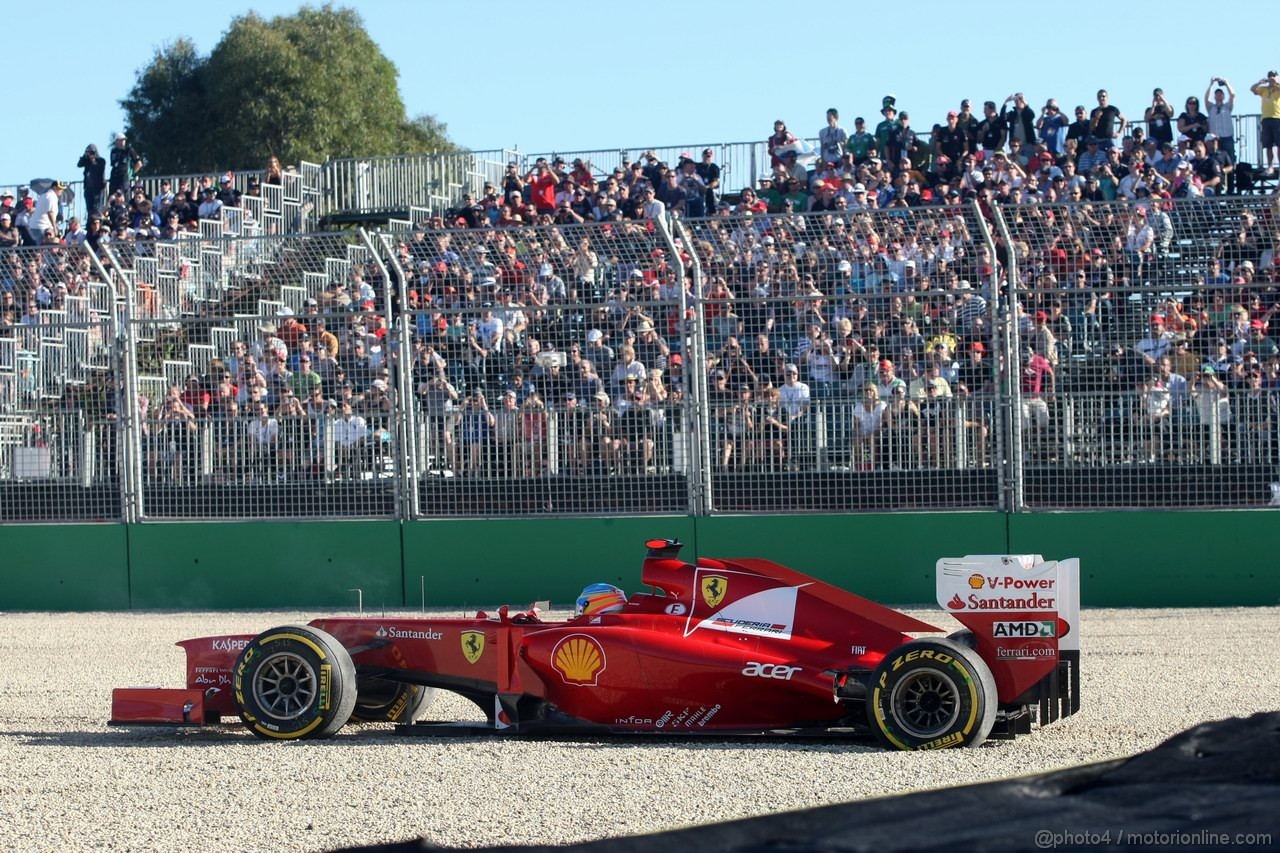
point(931, 694)
point(380, 700)
point(294, 682)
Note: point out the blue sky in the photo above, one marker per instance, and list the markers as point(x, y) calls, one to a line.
point(577, 75)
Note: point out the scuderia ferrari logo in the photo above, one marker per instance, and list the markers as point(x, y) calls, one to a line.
point(714, 588)
point(472, 645)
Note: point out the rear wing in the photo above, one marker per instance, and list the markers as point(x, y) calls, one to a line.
point(1024, 612)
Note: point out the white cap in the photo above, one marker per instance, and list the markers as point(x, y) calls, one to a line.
point(594, 335)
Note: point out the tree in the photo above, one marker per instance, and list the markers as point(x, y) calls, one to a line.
point(308, 86)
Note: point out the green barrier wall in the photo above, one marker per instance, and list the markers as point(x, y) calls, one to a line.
point(517, 561)
point(1161, 559)
point(265, 564)
point(1128, 559)
point(64, 567)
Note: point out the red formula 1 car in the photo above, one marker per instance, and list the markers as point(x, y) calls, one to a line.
point(724, 647)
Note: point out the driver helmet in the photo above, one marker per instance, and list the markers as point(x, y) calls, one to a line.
point(599, 598)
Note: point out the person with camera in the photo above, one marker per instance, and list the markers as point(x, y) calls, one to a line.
point(1051, 127)
point(1020, 119)
point(1219, 104)
point(95, 178)
point(1268, 89)
point(1159, 118)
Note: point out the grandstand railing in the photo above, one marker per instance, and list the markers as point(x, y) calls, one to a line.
point(99, 418)
point(389, 186)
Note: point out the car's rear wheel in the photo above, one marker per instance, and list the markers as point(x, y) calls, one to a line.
point(294, 682)
point(932, 694)
point(380, 700)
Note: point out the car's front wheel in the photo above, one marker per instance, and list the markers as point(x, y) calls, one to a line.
point(932, 694)
point(294, 682)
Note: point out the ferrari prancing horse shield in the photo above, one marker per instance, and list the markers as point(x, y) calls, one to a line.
point(713, 589)
point(472, 645)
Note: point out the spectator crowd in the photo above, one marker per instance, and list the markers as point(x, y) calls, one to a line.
point(849, 302)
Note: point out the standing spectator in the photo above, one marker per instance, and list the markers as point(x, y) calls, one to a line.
point(991, 130)
point(861, 143)
point(95, 177)
point(969, 123)
point(228, 194)
point(123, 161)
point(350, 433)
point(273, 174)
point(44, 215)
point(1159, 118)
point(868, 417)
point(887, 130)
point(542, 185)
point(793, 398)
point(1193, 124)
point(950, 140)
point(264, 443)
point(904, 143)
point(1078, 131)
point(1268, 89)
point(1020, 119)
point(1220, 104)
point(781, 138)
point(709, 172)
point(1050, 126)
point(693, 189)
point(832, 139)
point(1106, 123)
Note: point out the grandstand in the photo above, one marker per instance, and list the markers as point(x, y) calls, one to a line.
point(132, 371)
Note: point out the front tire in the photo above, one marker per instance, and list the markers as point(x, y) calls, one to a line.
point(932, 694)
point(294, 682)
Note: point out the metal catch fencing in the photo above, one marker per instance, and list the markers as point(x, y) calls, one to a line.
point(1145, 334)
point(944, 358)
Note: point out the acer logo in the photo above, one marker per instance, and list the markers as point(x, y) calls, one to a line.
point(769, 670)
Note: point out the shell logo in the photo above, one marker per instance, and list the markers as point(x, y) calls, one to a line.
point(976, 582)
point(579, 659)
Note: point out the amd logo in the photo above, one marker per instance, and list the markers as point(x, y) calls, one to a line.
point(1023, 629)
point(769, 670)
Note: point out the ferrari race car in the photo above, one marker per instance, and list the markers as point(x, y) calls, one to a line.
point(723, 647)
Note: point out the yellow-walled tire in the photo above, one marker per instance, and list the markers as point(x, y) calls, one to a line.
point(294, 682)
point(931, 694)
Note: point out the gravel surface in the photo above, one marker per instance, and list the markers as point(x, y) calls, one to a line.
point(72, 783)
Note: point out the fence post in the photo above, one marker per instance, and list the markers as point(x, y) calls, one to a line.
point(125, 358)
point(406, 486)
point(695, 368)
point(1008, 344)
